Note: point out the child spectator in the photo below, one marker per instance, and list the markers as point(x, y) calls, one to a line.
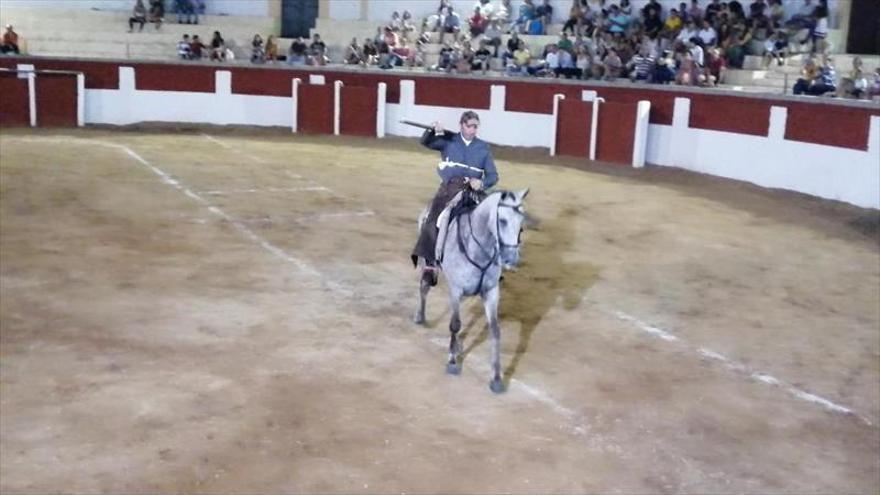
point(10, 41)
point(271, 49)
point(218, 47)
point(196, 47)
point(138, 15)
point(258, 53)
point(183, 48)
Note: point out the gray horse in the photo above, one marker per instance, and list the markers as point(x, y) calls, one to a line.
point(477, 246)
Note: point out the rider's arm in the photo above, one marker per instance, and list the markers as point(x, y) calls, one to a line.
point(435, 141)
point(491, 174)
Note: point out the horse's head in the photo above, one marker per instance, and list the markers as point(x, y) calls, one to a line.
point(511, 217)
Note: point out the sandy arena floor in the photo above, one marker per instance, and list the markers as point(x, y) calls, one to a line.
point(218, 311)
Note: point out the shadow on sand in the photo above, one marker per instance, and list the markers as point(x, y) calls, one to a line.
point(543, 280)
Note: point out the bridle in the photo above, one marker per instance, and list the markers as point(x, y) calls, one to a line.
point(496, 249)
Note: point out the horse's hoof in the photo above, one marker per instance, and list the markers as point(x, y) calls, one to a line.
point(496, 386)
point(418, 319)
point(453, 369)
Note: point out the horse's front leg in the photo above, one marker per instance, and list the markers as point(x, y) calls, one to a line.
point(452, 366)
point(490, 303)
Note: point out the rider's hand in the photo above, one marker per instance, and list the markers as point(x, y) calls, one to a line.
point(476, 184)
point(438, 128)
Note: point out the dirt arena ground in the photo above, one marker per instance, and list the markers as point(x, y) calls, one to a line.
point(214, 311)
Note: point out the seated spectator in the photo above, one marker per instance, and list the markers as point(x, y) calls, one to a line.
point(451, 24)
point(734, 50)
point(565, 43)
point(184, 51)
point(477, 23)
point(874, 89)
point(353, 54)
point(695, 13)
point(855, 84)
point(492, 35)
point(465, 58)
point(407, 27)
point(716, 66)
point(776, 13)
point(296, 55)
point(612, 66)
point(520, 60)
point(544, 13)
point(618, 22)
point(689, 31)
point(575, 18)
point(218, 47)
point(757, 8)
point(186, 11)
point(712, 11)
point(10, 41)
point(370, 52)
point(318, 51)
point(664, 69)
point(653, 25)
point(482, 57)
point(673, 23)
point(584, 62)
point(448, 58)
point(707, 34)
point(641, 66)
point(396, 23)
point(626, 8)
point(403, 55)
point(271, 49)
point(817, 80)
point(776, 48)
point(527, 13)
point(258, 53)
point(512, 46)
point(138, 15)
point(196, 47)
point(157, 12)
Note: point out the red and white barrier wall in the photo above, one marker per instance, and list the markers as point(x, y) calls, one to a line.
point(819, 148)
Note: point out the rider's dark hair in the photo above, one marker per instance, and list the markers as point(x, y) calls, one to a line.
point(470, 114)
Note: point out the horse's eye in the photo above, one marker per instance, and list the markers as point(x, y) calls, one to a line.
point(503, 222)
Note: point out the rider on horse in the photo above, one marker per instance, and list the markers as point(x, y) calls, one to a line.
point(466, 163)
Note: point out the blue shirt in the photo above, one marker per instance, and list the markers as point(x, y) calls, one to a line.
point(454, 153)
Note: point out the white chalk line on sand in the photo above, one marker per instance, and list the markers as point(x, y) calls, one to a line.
point(738, 367)
point(264, 190)
point(166, 178)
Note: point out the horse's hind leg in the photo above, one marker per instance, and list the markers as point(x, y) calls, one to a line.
point(452, 366)
point(490, 302)
point(425, 284)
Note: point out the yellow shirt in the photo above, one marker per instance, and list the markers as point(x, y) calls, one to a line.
point(522, 57)
point(673, 23)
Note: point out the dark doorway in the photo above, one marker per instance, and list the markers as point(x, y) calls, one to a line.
point(298, 17)
point(864, 27)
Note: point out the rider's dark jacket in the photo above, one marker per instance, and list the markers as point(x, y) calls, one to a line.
point(459, 159)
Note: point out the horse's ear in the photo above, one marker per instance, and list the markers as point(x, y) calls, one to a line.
point(521, 195)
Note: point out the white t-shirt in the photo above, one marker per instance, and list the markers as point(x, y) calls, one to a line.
point(552, 60)
point(708, 35)
point(698, 55)
point(687, 34)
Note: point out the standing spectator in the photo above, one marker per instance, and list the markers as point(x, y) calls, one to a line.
point(271, 49)
point(10, 41)
point(196, 47)
point(258, 53)
point(186, 10)
point(820, 30)
point(138, 15)
point(157, 12)
point(296, 54)
point(218, 47)
point(184, 51)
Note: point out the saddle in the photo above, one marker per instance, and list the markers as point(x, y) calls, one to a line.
point(462, 203)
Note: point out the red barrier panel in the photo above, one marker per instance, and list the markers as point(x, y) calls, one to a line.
point(730, 114)
point(662, 102)
point(830, 125)
point(358, 111)
point(536, 98)
point(573, 127)
point(616, 132)
point(164, 77)
point(315, 111)
point(56, 100)
point(264, 82)
point(459, 93)
point(392, 83)
point(14, 106)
